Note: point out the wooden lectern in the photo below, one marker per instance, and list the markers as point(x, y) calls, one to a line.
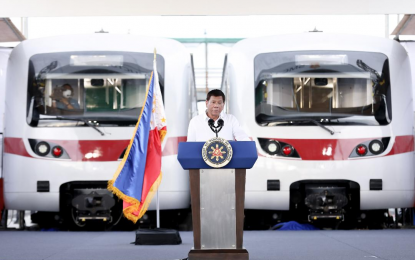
point(218, 196)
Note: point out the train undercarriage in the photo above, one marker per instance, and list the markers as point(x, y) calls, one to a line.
point(330, 204)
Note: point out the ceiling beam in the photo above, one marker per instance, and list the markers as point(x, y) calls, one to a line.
point(9, 32)
point(68, 8)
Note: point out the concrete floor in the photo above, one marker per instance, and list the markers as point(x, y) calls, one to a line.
point(321, 245)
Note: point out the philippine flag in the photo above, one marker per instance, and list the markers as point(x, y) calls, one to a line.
point(139, 174)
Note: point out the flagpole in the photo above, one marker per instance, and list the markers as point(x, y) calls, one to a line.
point(157, 196)
point(158, 124)
point(158, 210)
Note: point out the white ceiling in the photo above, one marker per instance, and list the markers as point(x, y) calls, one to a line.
point(48, 8)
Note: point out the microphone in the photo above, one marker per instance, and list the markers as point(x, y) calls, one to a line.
point(214, 128)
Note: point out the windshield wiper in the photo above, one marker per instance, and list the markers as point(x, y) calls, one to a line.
point(270, 119)
point(318, 124)
point(376, 78)
point(74, 119)
point(92, 125)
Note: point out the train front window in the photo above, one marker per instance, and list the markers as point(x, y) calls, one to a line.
point(105, 87)
point(332, 87)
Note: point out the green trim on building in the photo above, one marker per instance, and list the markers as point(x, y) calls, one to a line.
point(208, 40)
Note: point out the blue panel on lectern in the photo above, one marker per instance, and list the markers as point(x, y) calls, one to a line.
point(244, 155)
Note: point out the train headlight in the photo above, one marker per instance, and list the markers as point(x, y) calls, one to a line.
point(42, 148)
point(277, 148)
point(376, 147)
point(272, 147)
point(287, 150)
point(361, 150)
point(57, 151)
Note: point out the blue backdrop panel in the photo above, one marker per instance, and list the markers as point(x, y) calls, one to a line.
point(244, 155)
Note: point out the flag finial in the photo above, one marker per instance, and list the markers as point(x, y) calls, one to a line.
point(155, 53)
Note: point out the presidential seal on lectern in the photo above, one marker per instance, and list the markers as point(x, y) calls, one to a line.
point(217, 152)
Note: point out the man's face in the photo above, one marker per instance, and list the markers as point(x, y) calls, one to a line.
point(214, 106)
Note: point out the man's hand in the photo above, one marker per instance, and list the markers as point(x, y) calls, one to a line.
point(57, 94)
point(65, 101)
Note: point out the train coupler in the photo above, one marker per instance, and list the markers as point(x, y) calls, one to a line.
point(322, 216)
point(325, 202)
point(92, 205)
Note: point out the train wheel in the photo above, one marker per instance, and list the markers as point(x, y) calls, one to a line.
point(46, 220)
point(4, 217)
point(376, 219)
point(117, 216)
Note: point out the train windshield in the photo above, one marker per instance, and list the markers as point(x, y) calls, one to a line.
point(331, 87)
point(106, 87)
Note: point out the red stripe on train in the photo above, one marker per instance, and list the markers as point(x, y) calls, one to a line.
point(110, 150)
point(403, 144)
point(78, 150)
point(340, 149)
point(87, 150)
point(324, 149)
point(15, 146)
point(172, 145)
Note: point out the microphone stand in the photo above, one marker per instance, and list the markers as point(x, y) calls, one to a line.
point(216, 129)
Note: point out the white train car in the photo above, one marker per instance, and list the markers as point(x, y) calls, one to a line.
point(333, 122)
point(4, 58)
point(58, 156)
point(410, 48)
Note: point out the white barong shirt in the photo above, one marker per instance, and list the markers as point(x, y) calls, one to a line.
point(199, 130)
